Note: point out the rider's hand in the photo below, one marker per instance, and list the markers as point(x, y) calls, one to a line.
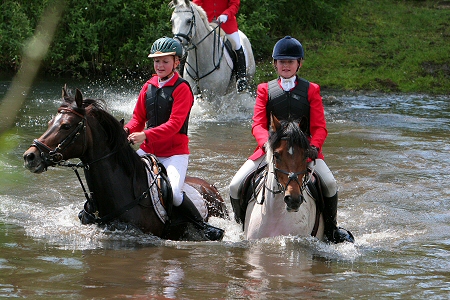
point(136, 137)
point(313, 152)
point(222, 18)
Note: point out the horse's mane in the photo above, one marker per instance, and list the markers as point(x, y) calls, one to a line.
point(290, 131)
point(180, 4)
point(116, 139)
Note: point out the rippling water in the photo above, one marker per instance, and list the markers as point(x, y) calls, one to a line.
point(389, 153)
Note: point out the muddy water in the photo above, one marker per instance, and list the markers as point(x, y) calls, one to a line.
point(389, 153)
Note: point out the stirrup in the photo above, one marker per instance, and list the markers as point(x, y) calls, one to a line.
point(241, 84)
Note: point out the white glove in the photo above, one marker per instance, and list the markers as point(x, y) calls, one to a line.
point(222, 18)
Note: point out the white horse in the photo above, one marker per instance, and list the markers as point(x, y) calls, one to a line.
point(284, 204)
point(208, 67)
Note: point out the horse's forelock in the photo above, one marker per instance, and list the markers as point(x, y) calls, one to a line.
point(179, 4)
point(290, 131)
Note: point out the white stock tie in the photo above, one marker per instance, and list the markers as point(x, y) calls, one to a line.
point(287, 83)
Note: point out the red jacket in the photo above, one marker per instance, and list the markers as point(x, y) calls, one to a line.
point(215, 8)
point(165, 139)
point(260, 126)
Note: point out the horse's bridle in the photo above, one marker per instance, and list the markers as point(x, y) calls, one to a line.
point(292, 176)
point(191, 46)
point(52, 157)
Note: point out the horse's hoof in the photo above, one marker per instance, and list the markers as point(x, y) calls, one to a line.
point(341, 235)
point(213, 233)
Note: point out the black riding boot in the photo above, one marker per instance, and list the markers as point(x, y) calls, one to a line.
point(188, 210)
point(334, 233)
point(236, 204)
point(241, 71)
point(182, 64)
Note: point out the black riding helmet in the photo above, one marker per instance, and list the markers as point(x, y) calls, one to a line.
point(287, 48)
point(166, 46)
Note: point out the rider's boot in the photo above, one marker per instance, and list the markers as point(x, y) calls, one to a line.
point(334, 233)
point(236, 204)
point(241, 71)
point(188, 210)
point(181, 66)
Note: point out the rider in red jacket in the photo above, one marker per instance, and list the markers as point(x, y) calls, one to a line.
point(290, 96)
point(224, 12)
point(160, 124)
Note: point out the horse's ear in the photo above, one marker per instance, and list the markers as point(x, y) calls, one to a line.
point(274, 123)
point(64, 92)
point(122, 121)
point(79, 98)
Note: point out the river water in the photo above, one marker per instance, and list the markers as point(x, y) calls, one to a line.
point(389, 153)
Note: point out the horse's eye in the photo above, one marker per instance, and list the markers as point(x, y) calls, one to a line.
point(277, 156)
point(65, 126)
point(189, 22)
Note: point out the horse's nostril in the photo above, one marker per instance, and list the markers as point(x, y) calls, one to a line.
point(29, 157)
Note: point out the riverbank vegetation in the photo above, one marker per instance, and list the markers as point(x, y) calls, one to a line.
point(385, 45)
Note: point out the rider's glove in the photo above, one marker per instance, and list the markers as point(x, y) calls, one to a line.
point(222, 18)
point(313, 152)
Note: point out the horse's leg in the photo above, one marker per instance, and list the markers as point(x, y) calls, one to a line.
point(215, 204)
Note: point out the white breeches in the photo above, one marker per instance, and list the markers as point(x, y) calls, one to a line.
point(236, 39)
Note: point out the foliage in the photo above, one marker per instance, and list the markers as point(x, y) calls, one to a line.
point(263, 20)
point(109, 37)
point(399, 45)
point(15, 28)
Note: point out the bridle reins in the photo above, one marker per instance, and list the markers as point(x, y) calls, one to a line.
point(190, 45)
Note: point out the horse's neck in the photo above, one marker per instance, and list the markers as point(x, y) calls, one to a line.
point(206, 44)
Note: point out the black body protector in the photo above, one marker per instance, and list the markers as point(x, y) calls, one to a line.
point(159, 103)
point(290, 105)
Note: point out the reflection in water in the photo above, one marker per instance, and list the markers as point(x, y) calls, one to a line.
point(389, 154)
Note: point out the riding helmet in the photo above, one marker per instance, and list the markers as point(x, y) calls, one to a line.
point(288, 48)
point(166, 46)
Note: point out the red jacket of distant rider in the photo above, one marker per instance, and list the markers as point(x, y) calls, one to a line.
point(164, 140)
point(260, 126)
point(215, 8)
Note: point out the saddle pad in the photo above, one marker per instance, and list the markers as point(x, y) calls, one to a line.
point(154, 190)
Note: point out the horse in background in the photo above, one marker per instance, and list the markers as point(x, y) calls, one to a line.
point(209, 66)
point(121, 186)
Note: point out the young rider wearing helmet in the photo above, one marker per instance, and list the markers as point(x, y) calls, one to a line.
point(271, 98)
point(160, 124)
point(224, 12)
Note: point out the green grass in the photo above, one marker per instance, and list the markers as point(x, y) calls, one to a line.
point(384, 45)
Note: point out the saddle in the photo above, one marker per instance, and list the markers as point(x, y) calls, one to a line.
point(159, 187)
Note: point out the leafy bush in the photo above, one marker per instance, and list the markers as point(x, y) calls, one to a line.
point(15, 28)
point(112, 37)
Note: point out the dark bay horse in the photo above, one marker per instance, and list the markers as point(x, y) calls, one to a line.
point(119, 188)
point(284, 201)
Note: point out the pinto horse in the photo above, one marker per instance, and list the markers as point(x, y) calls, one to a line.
point(208, 67)
point(283, 202)
point(117, 178)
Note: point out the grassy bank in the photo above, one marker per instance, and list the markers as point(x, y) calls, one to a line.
point(383, 45)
